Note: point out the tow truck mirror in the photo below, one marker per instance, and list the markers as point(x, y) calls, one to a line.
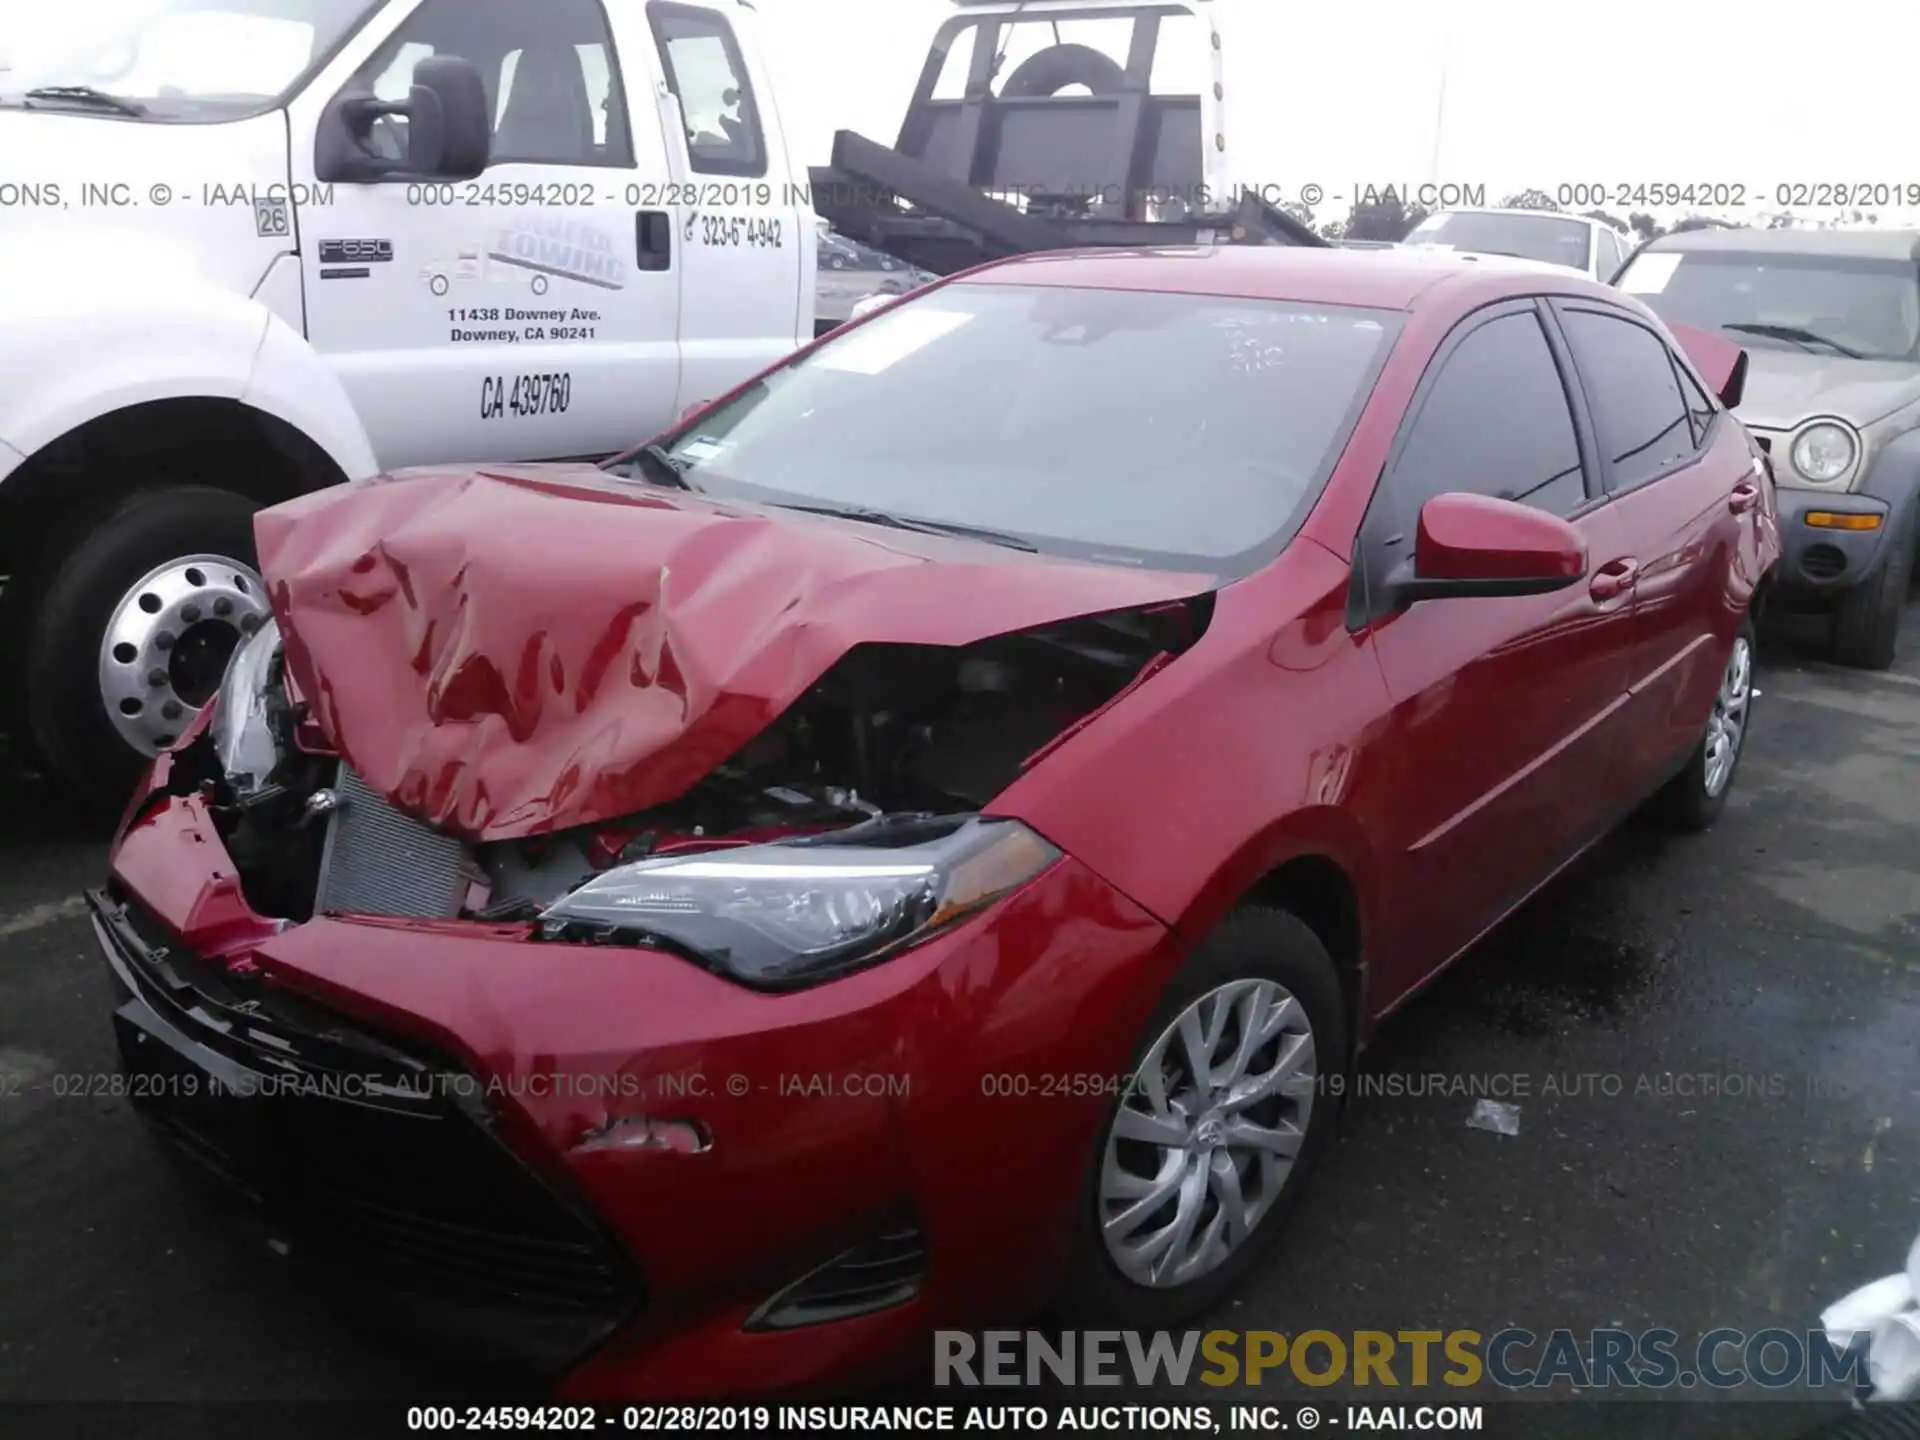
point(446, 135)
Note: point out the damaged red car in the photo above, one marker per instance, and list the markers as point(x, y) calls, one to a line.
point(912, 846)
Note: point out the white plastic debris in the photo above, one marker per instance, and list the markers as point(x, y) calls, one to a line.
point(1894, 1359)
point(1888, 1311)
point(1494, 1115)
point(1854, 1315)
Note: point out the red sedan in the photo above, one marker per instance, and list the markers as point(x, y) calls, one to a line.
point(914, 843)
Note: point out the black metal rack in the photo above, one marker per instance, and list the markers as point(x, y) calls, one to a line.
point(1119, 166)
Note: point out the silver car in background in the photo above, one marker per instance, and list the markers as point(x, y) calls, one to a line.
point(1830, 320)
point(851, 274)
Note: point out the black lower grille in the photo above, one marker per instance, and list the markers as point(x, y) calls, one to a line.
point(882, 1272)
point(1823, 562)
point(375, 1161)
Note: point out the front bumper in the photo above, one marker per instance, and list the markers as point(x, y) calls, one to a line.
point(375, 1162)
point(835, 1118)
point(1821, 562)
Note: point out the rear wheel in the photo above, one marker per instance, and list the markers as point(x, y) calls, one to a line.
point(1867, 625)
point(129, 637)
point(1694, 798)
point(1203, 1158)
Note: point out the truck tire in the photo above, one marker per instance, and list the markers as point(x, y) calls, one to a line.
point(1054, 69)
point(129, 636)
point(1867, 624)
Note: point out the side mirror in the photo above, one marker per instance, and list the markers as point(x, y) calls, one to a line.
point(449, 134)
point(1474, 545)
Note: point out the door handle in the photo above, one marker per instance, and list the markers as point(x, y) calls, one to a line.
point(1743, 497)
point(654, 231)
point(1613, 579)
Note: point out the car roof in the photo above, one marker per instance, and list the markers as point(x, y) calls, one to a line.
point(1586, 220)
point(1870, 244)
point(1381, 279)
point(1393, 279)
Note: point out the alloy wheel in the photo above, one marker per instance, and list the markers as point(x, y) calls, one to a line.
point(1207, 1134)
point(1728, 727)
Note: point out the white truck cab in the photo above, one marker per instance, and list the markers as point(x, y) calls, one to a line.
point(256, 247)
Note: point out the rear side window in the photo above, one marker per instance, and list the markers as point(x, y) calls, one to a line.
point(708, 75)
point(1629, 381)
point(1495, 422)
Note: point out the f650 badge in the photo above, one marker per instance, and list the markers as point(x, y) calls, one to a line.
point(356, 252)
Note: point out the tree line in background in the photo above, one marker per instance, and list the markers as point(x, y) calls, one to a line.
point(1387, 218)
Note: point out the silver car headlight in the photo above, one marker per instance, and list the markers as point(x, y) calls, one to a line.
point(243, 734)
point(1824, 452)
point(800, 911)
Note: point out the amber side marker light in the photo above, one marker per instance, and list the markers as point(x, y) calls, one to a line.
point(1833, 520)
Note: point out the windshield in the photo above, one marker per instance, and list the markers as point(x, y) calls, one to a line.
point(1828, 304)
point(1167, 431)
point(1554, 239)
point(183, 59)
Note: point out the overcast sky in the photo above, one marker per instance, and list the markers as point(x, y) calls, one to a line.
point(1707, 91)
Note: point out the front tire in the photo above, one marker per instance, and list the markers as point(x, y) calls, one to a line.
point(1694, 798)
point(1866, 627)
point(129, 637)
point(1200, 1163)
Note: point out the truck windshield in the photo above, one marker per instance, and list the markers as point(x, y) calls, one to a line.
point(1168, 431)
point(176, 59)
point(1555, 239)
point(1826, 304)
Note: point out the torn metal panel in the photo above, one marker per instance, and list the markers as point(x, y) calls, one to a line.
point(513, 651)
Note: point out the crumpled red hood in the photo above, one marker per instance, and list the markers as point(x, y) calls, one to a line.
point(529, 648)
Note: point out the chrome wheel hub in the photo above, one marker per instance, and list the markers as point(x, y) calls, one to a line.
point(1728, 727)
point(1207, 1135)
point(167, 644)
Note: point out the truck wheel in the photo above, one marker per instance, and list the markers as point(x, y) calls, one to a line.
point(131, 635)
point(1208, 1150)
point(1868, 621)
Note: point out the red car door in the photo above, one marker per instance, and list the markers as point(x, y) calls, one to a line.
point(1495, 762)
point(1681, 477)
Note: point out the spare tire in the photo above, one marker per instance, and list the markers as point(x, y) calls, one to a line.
point(1054, 69)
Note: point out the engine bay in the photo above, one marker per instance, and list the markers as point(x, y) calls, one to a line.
point(889, 732)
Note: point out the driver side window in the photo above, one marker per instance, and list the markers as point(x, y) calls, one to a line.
point(1495, 422)
point(552, 87)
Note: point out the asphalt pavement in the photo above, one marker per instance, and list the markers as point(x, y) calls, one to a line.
point(1713, 1044)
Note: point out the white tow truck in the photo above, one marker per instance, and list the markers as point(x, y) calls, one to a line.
point(253, 247)
point(250, 248)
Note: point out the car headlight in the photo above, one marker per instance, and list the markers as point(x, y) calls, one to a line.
point(799, 911)
point(1824, 452)
point(243, 734)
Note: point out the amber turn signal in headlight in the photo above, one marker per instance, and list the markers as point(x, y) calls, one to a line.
point(1831, 520)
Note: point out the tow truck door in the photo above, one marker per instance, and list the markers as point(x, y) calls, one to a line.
point(749, 245)
point(531, 313)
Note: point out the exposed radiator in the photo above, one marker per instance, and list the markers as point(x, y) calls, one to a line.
point(381, 862)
